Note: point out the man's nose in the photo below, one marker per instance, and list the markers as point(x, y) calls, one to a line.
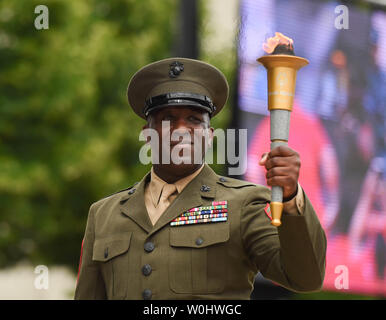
point(180, 124)
point(181, 134)
point(181, 127)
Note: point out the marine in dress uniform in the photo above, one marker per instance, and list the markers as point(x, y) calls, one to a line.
point(197, 235)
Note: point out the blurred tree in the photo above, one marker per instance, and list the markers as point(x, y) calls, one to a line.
point(67, 137)
point(226, 60)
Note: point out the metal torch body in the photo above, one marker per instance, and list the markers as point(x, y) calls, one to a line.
point(281, 73)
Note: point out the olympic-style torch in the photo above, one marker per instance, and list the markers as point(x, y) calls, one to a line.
point(282, 66)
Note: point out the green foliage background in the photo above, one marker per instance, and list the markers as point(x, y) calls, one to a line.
point(67, 134)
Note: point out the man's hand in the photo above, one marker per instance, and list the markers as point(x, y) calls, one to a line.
point(283, 165)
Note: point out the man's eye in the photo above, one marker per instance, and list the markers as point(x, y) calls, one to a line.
point(195, 119)
point(167, 118)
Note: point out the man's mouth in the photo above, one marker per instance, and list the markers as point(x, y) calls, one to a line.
point(180, 143)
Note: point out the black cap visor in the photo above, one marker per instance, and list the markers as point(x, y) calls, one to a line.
point(179, 99)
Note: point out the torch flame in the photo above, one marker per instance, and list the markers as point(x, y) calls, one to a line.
point(273, 42)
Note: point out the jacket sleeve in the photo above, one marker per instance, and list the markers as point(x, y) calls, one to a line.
point(90, 284)
point(292, 255)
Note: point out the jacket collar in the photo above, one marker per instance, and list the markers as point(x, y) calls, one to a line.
point(156, 184)
point(132, 203)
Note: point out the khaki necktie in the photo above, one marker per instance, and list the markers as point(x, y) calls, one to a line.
point(164, 201)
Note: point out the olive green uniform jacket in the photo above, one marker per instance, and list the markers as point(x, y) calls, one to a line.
point(125, 257)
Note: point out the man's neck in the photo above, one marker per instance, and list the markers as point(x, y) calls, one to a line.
point(173, 176)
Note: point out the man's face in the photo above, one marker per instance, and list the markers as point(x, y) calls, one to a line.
point(184, 133)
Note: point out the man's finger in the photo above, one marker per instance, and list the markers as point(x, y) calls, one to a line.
point(278, 162)
point(281, 181)
point(277, 171)
point(282, 151)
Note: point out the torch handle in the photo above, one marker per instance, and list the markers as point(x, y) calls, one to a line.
point(280, 121)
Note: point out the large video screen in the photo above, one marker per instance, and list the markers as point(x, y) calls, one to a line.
point(337, 125)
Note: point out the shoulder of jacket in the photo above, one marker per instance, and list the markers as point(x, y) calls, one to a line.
point(248, 189)
point(228, 182)
point(104, 199)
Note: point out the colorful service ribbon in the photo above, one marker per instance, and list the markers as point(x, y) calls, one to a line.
point(217, 212)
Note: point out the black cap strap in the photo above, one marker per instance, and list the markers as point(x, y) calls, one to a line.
point(179, 98)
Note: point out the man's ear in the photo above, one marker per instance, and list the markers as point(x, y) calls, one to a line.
point(144, 127)
point(148, 123)
point(211, 136)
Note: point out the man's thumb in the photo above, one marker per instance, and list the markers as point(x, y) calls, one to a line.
point(263, 158)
